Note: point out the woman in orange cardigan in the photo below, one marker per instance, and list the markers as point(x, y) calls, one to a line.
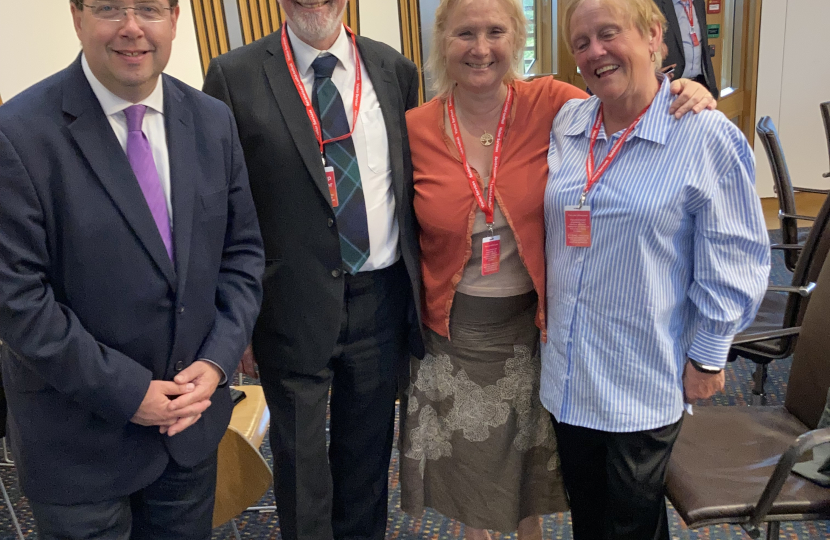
point(477, 445)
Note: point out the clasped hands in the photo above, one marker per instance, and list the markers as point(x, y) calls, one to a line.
point(176, 405)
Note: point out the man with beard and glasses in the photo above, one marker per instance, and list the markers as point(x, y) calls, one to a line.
point(321, 119)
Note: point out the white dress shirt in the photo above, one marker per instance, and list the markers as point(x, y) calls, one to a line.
point(153, 126)
point(692, 53)
point(370, 142)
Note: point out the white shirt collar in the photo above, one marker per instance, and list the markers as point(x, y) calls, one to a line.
point(113, 104)
point(305, 54)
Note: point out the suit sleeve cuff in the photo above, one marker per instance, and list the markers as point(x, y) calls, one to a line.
point(224, 380)
point(710, 349)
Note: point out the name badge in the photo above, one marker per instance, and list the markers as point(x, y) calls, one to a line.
point(490, 255)
point(695, 40)
point(578, 226)
point(332, 182)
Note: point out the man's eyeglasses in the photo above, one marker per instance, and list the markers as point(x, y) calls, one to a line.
point(113, 12)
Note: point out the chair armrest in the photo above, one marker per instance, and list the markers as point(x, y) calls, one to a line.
point(796, 216)
point(804, 291)
point(802, 444)
point(826, 175)
point(787, 247)
point(812, 190)
point(755, 337)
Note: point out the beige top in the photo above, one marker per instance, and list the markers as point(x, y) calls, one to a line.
point(512, 279)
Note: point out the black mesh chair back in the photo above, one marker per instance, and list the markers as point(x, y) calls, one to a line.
point(825, 117)
point(809, 376)
point(806, 271)
point(783, 185)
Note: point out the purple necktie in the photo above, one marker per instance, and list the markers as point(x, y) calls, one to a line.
point(144, 167)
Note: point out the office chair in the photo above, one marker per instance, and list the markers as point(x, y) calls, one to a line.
point(825, 116)
point(733, 464)
point(784, 190)
point(783, 307)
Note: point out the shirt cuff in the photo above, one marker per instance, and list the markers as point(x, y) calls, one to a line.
point(710, 349)
point(224, 375)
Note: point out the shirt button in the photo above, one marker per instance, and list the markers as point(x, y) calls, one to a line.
point(335, 273)
point(330, 222)
point(179, 366)
point(180, 311)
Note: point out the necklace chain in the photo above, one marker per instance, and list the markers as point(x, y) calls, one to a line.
point(486, 138)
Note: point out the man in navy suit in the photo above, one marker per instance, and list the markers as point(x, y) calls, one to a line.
point(130, 269)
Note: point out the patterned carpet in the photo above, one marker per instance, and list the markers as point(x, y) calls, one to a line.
point(432, 526)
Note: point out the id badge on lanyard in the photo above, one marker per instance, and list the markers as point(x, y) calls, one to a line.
point(332, 183)
point(578, 218)
point(578, 226)
point(690, 14)
point(331, 179)
point(490, 255)
point(490, 245)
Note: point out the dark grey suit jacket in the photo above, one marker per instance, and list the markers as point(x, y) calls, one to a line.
point(674, 43)
point(300, 319)
point(92, 308)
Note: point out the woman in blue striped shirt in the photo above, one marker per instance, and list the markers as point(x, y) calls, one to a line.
point(657, 255)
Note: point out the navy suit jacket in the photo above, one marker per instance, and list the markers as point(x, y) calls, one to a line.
point(91, 307)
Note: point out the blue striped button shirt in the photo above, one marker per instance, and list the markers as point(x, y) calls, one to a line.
point(678, 264)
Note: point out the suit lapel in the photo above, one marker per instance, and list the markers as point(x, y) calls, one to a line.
point(181, 145)
point(293, 110)
point(99, 145)
point(674, 29)
point(387, 92)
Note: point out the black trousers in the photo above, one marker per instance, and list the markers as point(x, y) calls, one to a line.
point(615, 481)
point(177, 506)
point(342, 493)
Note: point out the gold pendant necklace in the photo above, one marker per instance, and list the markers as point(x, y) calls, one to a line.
point(487, 139)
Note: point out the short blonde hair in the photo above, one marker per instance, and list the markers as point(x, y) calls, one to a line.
point(642, 14)
point(437, 61)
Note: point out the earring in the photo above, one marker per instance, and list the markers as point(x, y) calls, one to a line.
point(653, 57)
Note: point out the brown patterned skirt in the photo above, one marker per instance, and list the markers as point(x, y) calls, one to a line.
point(477, 444)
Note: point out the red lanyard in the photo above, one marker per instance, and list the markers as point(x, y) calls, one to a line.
point(487, 207)
point(687, 7)
point(309, 108)
point(594, 175)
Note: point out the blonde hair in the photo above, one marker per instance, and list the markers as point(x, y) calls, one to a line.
point(642, 14)
point(437, 61)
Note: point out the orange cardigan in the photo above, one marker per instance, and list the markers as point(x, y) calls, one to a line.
point(445, 205)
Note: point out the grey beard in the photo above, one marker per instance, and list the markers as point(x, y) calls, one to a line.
point(315, 28)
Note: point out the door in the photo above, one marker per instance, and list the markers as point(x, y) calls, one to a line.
point(545, 52)
point(733, 28)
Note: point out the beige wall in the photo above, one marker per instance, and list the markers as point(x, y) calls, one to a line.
point(35, 43)
point(793, 78)
point(379, 20)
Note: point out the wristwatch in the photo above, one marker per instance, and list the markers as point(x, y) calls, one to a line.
point(709, 370)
